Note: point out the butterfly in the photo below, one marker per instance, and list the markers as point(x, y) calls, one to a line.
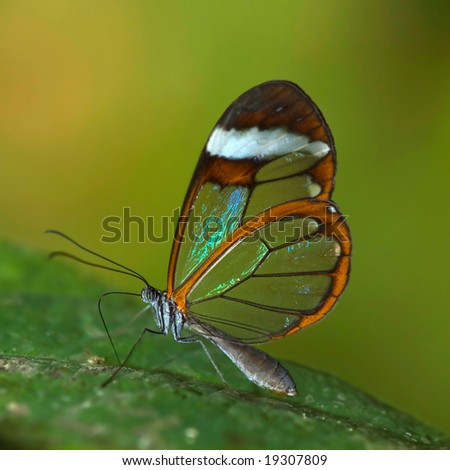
point(260, 250)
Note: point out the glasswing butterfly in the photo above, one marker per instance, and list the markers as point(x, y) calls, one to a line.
point(260, 250)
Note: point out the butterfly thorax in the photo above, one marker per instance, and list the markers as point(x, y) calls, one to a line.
point(167, 314)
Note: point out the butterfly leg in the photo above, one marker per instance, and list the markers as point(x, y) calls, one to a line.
point(130, 353)
point(195, 338)
point(219, 373)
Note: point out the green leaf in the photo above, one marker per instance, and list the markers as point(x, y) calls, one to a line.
point(169, 397)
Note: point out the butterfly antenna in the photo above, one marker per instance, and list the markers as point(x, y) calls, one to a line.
point(128, 271)
point(64, 254)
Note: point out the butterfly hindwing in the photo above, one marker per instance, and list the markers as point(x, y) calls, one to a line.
point(276, 274)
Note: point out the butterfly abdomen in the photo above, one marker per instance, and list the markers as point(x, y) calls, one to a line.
point(256, 365)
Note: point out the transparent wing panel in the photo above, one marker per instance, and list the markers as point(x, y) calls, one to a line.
point(216, 213)
point(244, 322)
point(237, 264)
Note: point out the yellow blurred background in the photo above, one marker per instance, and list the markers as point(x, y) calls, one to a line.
point(105, 105)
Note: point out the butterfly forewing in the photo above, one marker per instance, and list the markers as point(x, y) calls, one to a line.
point(259, 251)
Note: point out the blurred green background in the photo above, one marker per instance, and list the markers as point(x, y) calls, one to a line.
point(105, 105)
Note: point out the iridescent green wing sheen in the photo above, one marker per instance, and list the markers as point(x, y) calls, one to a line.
point(215, 215)
point(271, 146)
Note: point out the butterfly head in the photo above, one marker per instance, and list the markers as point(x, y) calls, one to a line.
point(150, 295)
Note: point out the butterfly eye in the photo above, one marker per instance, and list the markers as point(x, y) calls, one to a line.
point(149, 294)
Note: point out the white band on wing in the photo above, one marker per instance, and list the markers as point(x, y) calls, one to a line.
point(249, 143)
